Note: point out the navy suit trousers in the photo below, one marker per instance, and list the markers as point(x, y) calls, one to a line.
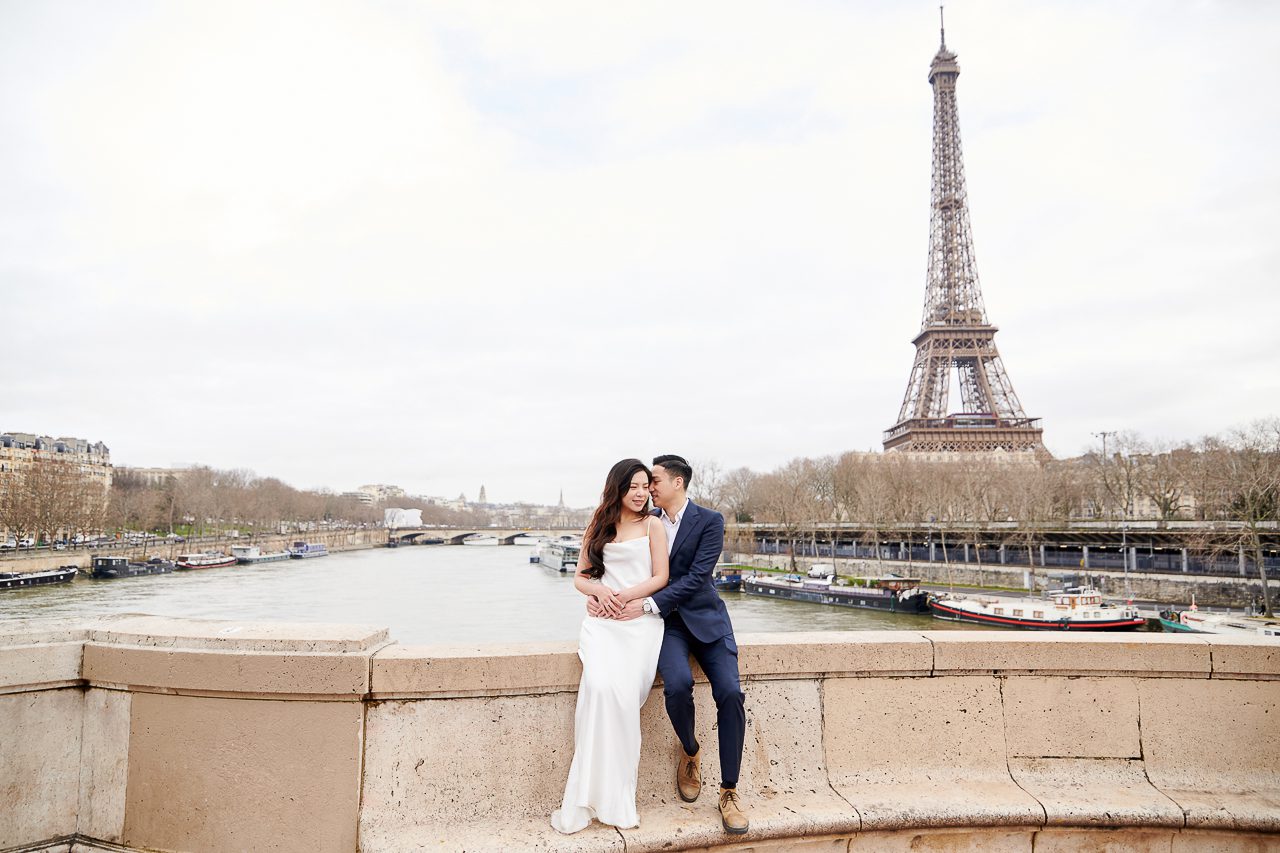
point(719, 660)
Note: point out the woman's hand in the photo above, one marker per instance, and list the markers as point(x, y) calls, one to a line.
point(609, 601)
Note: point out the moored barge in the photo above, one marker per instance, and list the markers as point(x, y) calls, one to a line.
point(204, 561)
point(109, 568)
point(1070, 609)
point(892, 593)
point(727, 577)
point(1195, 621)
point(18, 580)
point(250, 554)
point(307, 550)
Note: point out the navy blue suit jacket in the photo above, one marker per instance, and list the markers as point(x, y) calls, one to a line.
point(690, 590)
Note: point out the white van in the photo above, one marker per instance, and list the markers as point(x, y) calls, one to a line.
point(822, 570)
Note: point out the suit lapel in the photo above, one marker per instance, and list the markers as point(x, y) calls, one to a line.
point(691, 521)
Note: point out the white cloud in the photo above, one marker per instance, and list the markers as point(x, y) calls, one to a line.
point(446, 245)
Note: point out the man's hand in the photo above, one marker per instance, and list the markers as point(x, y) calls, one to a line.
point(632, 610)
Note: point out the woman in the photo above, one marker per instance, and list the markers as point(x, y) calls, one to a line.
point(624, 557)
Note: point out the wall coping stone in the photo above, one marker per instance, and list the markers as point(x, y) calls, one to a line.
point(1065, 653)
point(1057, 712)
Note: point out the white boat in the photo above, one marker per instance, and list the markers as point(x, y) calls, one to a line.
point(1072, 609)
point(204, 561)
point(526, 539)
point(1196, 621)
point(480, 539)
point(253, 554)
point(307, 550)
point(562, 554)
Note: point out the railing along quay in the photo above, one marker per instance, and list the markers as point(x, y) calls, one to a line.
point(1186, 548)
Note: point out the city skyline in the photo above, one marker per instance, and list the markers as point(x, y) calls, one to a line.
point(440, 247)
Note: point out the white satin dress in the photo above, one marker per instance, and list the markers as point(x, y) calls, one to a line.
point(619, 661)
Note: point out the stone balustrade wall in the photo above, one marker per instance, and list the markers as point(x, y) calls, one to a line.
point(141, 733)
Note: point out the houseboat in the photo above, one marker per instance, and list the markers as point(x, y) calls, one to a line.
point(890, 592)
point(1194, 621)
point(727, 577)
point(109, 568)
point(1072, 609)
point(307, 550)
point(17, 580)
point(204, 561)
point(480, 539)
point(562, 554)
point(250, 554)
point(525, 539)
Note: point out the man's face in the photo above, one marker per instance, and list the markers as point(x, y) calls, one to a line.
point(662, 486)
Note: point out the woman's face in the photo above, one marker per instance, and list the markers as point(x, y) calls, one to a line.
point(637, 497)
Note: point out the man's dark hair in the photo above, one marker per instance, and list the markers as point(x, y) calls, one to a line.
point(676, 466)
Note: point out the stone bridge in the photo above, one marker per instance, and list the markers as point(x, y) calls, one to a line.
point(455, 535)
point(140, 733)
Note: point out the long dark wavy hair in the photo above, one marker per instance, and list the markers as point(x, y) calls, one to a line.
point(604, 524)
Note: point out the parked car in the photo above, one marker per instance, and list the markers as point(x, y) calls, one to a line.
point(8, 545)
point(26, 542)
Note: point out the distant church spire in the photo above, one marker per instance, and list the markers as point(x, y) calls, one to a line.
point(482, 499)
point(562, 497)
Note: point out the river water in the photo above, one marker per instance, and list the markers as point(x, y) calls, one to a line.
point(424, 594)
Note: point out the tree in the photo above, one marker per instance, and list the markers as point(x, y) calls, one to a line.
point(1247, 479)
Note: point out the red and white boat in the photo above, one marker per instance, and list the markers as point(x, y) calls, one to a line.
point(1072, 609)
point(204, 561)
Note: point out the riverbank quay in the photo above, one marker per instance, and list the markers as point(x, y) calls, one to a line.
point(1207, 590)
point(335, 540)
point(143, 733)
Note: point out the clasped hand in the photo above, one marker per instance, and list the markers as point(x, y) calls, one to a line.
point(607, 604)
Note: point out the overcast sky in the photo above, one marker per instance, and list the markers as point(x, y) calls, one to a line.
point(446, 245)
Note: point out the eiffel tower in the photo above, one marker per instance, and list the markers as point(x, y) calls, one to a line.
point(955, 334)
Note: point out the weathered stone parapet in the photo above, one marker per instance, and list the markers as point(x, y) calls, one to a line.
point(144, 733)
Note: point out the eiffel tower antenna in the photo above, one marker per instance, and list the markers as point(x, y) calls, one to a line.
point(955, 334)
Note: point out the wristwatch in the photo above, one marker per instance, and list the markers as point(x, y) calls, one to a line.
point(648, 607)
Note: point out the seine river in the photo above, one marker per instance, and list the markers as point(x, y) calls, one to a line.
point(424, 594)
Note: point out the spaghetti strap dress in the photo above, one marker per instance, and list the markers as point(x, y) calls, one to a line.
point(619, 661)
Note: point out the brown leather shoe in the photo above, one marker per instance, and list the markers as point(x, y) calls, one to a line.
point(689, 776)
point(732, 818)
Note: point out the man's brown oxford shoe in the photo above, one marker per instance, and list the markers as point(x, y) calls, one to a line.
point(732, 818)
point(689, 776)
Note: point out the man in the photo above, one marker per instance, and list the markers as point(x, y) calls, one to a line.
point(697, 623)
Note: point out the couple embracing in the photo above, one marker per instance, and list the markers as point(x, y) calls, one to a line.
point(651, 603)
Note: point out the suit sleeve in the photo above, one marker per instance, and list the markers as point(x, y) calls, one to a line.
point(710, 545)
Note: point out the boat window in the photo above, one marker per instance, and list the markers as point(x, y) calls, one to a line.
point(1017, 612)
point(999, 611)
point(1037, 614)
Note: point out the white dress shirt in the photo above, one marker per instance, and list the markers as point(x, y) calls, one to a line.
point(672, 526)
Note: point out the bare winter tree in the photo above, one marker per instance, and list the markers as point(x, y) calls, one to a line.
point(1247, 479)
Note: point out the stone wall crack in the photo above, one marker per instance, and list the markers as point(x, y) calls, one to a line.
point(1004, 729)
point(826, 765)
point(1142, 761)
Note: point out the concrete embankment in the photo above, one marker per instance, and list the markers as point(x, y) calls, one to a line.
point(334, 540)
point(1209, 590)
point(141, 733)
